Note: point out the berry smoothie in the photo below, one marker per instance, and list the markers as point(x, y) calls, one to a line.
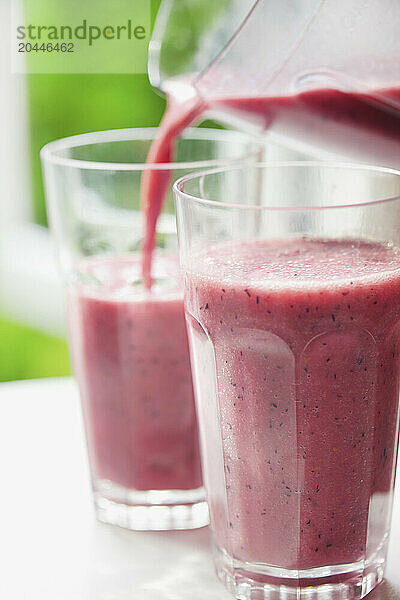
point(131, 360)
point(296, 347)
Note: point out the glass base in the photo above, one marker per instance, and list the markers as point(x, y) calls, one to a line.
point(150, 510)
point(254, 581)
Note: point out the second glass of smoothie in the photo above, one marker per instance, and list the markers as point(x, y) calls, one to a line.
point(128, 341)
point(292, 292)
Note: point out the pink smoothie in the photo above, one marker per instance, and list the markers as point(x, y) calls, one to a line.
point(131, 360)
point(296, 349)
point(361, 126)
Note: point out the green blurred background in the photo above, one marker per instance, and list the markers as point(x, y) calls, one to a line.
point(61, 105)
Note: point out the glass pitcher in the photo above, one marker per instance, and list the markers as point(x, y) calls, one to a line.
point(322, 72)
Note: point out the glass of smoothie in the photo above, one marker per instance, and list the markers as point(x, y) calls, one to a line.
point(128, 339)
point(292, 296)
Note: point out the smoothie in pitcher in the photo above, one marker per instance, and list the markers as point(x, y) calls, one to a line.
point(304, 339)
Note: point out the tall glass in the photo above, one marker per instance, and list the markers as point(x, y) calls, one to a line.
point(129, 345)
point(292, 295)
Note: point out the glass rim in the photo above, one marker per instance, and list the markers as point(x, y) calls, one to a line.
point(48, 153)
point(179, 183)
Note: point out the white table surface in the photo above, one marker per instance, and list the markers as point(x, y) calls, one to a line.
point(52, 548)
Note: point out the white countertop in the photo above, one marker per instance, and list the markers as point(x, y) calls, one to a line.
point(52, 548)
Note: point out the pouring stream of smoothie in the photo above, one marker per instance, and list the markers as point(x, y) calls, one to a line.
point(178, 116)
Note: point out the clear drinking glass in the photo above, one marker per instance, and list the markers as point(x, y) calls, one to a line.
point(129, 345)
point(292, 296)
